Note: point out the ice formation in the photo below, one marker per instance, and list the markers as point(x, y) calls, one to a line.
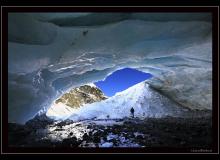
point(48, 53)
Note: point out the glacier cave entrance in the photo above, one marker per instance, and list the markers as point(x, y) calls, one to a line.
point(116, 82)
point(121, 80)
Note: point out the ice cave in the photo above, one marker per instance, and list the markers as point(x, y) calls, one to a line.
point(54, 59)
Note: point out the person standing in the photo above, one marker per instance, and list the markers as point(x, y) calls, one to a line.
point(132, 112)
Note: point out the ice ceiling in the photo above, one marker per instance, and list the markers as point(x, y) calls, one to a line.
point(48, 53)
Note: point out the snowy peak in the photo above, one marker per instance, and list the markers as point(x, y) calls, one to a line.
point(92, 85)
point(135, 89)
point(79, 96)
point(74, 99)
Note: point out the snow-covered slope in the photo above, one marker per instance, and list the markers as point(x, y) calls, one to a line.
point(59, 111)
point(145, 101)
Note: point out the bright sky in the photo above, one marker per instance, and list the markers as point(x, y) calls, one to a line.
point(121, 80)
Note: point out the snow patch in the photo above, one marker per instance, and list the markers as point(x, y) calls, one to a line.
point(106, 144)
point(59, 111)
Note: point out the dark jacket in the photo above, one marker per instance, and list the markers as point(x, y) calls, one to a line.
point(132, 110)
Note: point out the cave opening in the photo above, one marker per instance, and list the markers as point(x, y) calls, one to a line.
point(76, 98)
point(121, 80)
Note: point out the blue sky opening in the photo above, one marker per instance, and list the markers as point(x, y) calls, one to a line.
point(120, 80)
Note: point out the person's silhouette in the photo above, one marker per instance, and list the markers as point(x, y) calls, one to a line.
point(132, 112)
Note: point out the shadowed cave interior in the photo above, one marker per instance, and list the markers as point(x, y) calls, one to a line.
point(81, 74)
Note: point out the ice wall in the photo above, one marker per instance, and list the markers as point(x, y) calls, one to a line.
point(51, 52)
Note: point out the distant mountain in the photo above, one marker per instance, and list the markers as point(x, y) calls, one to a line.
point(82, 95)
point(74, 99)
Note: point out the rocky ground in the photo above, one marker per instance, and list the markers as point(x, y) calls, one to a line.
point(195, 130)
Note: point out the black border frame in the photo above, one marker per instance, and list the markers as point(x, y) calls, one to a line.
point(215, 41)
